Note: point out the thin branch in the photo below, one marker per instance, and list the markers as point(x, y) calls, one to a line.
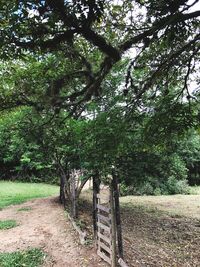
point(157, 26)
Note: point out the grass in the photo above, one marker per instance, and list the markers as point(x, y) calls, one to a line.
point(24, 209)
point(7, 224)
point(176, 205)
point(12, 193)
point(29, 258)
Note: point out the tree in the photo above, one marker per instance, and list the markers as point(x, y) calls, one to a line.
point(80, 59)
point(93, 36)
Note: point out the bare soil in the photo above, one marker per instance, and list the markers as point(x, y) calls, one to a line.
point(46, 226)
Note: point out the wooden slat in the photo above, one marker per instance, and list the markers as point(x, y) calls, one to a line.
point(104, 227)
point(103, 256)
point(103, 237)
point(103, 218)
point(101, 207)
point(104, 246)
point(122, 263)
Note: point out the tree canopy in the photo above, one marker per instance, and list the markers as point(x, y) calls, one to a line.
point(91, 37)
point(94, 84)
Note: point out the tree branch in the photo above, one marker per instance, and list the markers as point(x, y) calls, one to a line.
point(157, 26)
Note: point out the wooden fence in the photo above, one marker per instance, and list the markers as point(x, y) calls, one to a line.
point(104, 229)
point(107, 224)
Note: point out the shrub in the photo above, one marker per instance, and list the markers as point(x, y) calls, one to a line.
point(157, 192)
point(146, 189)
point(174, 186)
point(155, 187)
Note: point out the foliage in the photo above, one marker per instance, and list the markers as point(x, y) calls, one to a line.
point(85, 40)
point(29, 258)
point(170, 187)
point(96, 85)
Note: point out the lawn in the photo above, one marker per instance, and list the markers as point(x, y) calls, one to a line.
point(183, 205)
point(16, 192)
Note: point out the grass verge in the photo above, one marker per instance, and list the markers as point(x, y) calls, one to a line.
point(16, 193)
point(7, 224)
point(28, 258)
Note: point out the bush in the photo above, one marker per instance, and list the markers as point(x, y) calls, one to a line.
point(146, 189)
point(157, 192)
point(155, 187)
point(174, 186)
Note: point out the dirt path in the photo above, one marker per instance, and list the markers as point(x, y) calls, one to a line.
point(46, 226)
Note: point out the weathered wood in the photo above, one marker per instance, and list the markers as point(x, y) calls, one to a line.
point(113, 231)
point(82, 235)
point(104, 246)
point(62, 189)
point(103, 256)
point(122, 263)
point(104, 227)
point(117, 214)
point(101, 207)
point(96, 188)
point(103, 237)
point(104, 218)
point(73, 195)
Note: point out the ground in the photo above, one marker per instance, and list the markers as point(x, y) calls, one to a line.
point(45, 225)
point(161, 231)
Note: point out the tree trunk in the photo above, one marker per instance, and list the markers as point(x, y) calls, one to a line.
point(62, 189)
point(73, 196)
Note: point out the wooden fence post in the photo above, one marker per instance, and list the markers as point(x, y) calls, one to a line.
point(96, 189)
point(117, 213)
point(113, 228)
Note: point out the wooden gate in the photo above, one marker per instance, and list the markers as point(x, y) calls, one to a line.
point(107, 223)
point(104, 229)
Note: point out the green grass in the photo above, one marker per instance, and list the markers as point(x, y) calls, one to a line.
point(7, 224)
point(17, 193)
point(29, 258)
point(24, 209)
